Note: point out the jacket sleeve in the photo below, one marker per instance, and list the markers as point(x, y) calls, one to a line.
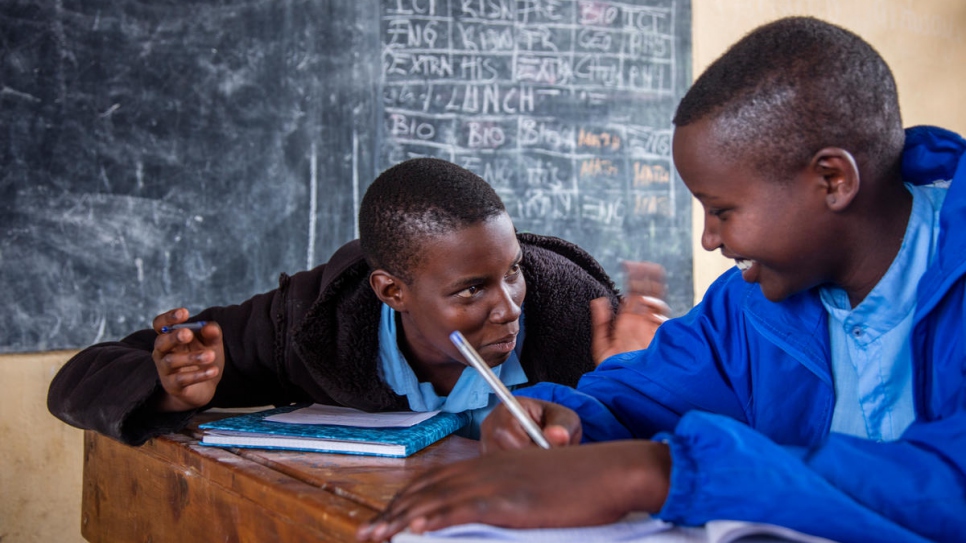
point(839, 487)
point(110, 387)
point(624, 397)
point(845, 489)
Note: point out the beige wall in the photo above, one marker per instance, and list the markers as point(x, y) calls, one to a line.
point(923, 41)
point(40, 458)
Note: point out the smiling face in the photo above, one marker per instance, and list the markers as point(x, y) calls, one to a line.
point(779, 232)
point(468, 280)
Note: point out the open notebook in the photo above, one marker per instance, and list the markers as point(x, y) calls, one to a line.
point(633, 528)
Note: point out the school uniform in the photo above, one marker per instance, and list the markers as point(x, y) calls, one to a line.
point(316, 339)
point(742, 391)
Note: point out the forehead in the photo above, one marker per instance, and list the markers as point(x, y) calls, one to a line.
point(709, 167)
point(478, 250)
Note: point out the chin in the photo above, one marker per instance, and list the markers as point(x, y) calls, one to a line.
point(773, 294)
point(496, 361)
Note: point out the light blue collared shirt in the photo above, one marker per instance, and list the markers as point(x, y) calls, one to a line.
point(471, 392)
point(871, 347)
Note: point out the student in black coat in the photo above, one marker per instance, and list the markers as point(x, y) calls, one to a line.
point(437, 252)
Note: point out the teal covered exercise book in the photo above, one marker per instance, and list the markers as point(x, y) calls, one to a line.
point(252, 430)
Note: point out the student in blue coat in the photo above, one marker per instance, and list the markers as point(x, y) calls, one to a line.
point(820, 384)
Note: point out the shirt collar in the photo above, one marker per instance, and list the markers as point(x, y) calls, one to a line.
point(471, 390)
point(894, 296)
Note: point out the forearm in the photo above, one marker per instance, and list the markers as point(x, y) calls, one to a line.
point(639, 474)
point(722, 469)
point(109, 388)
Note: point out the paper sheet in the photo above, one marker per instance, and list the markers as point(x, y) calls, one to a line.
point(346, 416)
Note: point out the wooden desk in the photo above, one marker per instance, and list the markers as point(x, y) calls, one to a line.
point(173, 489)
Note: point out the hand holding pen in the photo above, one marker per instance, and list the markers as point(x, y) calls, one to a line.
point(189, 358)
point(520, 417)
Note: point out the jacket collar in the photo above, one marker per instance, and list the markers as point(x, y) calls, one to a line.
point(800, 324)
point(933, 154)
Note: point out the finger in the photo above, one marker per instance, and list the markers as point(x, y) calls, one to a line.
point(398, 513)
point(168, 318)
point(179, 342)
point(184, 362)
point(501, 431)
point(457, 499)
point(168, 343)
point(644, 306)
point(558, 436)
point(210, 333)
point(509, 437)
point(185, 379)
point(536, 410)
point(561, 424)
point(647, 278)
point(471, 509)
point(656, 305)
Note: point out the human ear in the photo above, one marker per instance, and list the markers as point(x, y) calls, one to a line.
point(388, 288)
point(840, 175)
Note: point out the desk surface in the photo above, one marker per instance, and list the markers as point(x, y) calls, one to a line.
point(173, 489)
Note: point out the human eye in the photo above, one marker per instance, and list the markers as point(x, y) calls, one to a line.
point(718, 212)
point(469, 292)
point(514, 271)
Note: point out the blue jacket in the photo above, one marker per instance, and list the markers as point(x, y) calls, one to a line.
point(741, 389)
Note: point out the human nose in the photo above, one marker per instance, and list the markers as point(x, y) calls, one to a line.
point(710, 239)
point(507, 307)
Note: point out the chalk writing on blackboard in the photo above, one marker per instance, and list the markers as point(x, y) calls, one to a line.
point(170, 154)
point(563, 106)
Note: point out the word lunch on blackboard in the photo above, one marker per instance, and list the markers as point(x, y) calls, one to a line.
point(170, 154)
point(564, 107)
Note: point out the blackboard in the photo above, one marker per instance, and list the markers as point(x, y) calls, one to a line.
point(169, 153)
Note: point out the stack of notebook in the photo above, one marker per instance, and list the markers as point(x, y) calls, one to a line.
point(331, 429)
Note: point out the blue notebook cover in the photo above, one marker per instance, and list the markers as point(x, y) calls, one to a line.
point(253, 431)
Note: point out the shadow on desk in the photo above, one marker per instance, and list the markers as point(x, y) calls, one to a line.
point(171, 489)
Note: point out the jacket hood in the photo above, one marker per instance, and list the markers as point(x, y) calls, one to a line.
point(337, 338)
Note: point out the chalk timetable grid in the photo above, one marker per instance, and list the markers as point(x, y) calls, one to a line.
point(498, 87)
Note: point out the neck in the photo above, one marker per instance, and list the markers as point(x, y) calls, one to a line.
point(877, 242)
point(441, 372)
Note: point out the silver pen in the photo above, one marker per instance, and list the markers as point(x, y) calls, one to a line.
point(471, 356)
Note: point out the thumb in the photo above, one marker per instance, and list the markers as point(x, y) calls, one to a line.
point(557, 436)
point(561, 426)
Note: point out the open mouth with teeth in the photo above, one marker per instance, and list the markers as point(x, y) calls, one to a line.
point(743, 264)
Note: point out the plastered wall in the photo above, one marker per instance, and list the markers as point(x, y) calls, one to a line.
point(923, 40)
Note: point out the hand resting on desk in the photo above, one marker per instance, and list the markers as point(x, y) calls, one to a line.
point(519, 485)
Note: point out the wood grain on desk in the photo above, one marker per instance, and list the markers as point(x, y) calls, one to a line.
point(172, 489)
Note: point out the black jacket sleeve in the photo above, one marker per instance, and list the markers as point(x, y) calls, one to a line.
point(111, 387)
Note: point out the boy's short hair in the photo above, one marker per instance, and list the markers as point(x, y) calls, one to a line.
point(794, 86)
point(416, 199)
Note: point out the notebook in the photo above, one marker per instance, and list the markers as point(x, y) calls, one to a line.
point(346, 431)
point(635, 527)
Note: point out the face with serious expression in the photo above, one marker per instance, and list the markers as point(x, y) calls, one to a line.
point(468, 280)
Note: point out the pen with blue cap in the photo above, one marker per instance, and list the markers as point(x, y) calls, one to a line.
point(195, 326)
point(474, 359)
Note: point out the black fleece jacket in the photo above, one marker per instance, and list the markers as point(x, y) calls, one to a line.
point(315, 339)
